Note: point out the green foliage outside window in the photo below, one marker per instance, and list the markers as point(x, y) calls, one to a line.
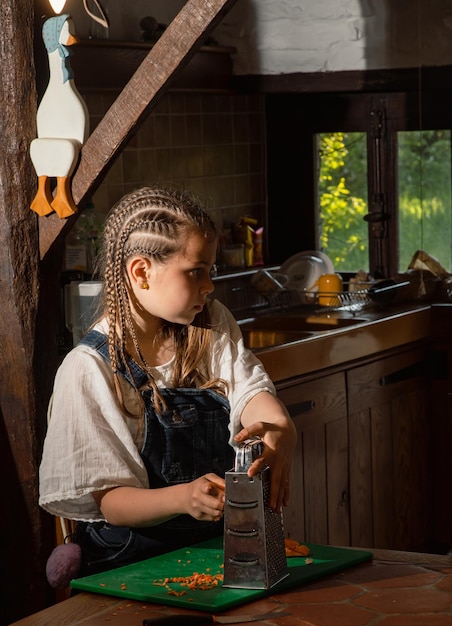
point(424, 197)
point(342, 191)
point(424, 160)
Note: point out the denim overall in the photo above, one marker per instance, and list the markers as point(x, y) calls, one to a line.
point(182, 443)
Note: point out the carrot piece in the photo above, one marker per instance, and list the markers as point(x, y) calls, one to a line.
point(294, 548)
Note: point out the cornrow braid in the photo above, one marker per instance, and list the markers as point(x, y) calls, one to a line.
point(155, 224)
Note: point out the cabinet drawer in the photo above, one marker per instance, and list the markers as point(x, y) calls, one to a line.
point(378, 382)
point(321, 399)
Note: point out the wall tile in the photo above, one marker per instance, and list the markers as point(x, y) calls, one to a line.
point(178, 130)
point(213, 144)
point(194, 129)
point(131, 166)
point(146, 134)
point(147, 165)
point(162, 131)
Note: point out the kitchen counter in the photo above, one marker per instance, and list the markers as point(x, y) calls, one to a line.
point(375, 331)
point(394, 589)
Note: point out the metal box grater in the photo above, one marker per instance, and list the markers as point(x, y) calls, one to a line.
point(254, 549)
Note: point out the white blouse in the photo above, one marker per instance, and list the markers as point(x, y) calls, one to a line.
point(91, 445)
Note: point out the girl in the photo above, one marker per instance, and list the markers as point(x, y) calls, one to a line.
point(147, 407)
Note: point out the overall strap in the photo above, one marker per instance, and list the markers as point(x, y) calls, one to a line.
point(99, 342)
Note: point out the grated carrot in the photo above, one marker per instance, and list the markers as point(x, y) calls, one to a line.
point(193, 582)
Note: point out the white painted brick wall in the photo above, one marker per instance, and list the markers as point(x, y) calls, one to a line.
point(286, 36)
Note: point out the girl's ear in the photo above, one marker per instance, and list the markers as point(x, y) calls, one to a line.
point(138, 269)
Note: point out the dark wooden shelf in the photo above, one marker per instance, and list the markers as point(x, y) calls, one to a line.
point(109, 64)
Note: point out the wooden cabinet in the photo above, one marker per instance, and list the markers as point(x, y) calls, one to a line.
point(318, 510)
point(360, 472)
point(441, 428)
point(388, 452)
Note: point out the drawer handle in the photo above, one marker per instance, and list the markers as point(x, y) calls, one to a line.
point(301, 407)
point(417, 369)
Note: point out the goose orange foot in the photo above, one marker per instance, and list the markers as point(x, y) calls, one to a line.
point(63, 204)
point(42, 202)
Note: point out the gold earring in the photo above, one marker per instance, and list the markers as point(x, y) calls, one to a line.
point(144, 285)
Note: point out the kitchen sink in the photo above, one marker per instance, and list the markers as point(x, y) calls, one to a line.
point(277, 329)
point(300, 323)
point(266, 338)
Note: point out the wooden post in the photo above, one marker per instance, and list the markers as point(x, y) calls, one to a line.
point(22, 527)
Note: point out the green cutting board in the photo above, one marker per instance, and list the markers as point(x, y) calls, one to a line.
point(137, 581)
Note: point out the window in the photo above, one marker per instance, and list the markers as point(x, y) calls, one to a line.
point(369, 173)
point(423, 197)
point(424, 194)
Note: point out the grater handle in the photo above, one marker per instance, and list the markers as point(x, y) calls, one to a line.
point(248, 451)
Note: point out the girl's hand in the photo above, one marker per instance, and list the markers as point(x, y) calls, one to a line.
point(279, 438)
point(205, 498)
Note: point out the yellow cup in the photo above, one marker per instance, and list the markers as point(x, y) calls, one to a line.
point(329, 285)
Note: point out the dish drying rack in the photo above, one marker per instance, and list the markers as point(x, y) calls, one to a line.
point(351, 301)
point(246, 300)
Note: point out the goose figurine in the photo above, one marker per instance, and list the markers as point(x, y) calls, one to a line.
point(62, 123)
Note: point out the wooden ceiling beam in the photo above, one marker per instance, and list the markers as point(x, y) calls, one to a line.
point(181, 39)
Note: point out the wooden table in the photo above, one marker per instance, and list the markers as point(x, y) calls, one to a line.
point(415, 586)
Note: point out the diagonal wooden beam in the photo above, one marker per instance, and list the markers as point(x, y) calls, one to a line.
point(167, 57)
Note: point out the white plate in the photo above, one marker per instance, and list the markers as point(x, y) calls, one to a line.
point(305, 268)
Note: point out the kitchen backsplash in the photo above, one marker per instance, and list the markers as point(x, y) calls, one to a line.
point(210, 143)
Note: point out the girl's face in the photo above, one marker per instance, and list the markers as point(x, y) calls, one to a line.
point(178, 288)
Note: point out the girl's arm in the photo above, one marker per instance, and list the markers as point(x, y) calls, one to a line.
point(202, 498)
point(265, 416)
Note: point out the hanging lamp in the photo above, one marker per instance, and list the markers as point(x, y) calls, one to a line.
point(101, 18)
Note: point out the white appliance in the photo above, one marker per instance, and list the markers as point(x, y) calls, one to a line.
point(82, 301)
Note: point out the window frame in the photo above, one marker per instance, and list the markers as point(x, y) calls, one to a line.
point(293, 120)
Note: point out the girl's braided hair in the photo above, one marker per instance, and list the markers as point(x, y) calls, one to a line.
point(153, 223)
